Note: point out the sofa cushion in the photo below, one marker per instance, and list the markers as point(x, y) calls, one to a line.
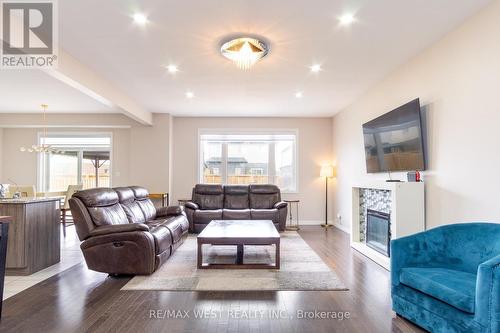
point(162, 237)
point(206, 216)
point(265, 214)
point(208, 196)
point(236, 214)
point(175, 225)
point(140, 192)
point(263, 196)
point(236, 197)
point(130, 206)
point(108, 215)
point(145, 204)
point(97, 197)
point(455, 288)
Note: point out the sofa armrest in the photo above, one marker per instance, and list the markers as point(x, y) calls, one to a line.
point(191, 205)
point(169, 211)
point(118, 228)
point(416, 250)
point(488, 294)
point(280, 205)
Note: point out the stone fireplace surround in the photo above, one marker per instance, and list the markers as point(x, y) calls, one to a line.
point(404, 201)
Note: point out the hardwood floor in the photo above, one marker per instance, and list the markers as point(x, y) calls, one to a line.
point(79, 300)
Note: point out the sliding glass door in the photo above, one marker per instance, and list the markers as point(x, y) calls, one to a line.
point(85, 160)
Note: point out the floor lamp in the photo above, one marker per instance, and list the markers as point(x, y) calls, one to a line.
point(327, 172)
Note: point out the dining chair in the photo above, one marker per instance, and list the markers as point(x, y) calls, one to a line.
point(72, 189)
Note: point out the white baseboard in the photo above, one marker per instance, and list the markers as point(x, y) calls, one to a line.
point(342, 227)
point(313, 222)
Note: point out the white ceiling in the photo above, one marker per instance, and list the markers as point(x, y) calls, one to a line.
point(188, 33)
point(24, 90)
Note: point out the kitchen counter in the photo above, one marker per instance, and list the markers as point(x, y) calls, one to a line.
point(34, 234)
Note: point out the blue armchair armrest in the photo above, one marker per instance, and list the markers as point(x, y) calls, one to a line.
point(421, 249)
point(488, 294)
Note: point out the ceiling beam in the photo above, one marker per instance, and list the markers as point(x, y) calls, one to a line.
point(75, 74)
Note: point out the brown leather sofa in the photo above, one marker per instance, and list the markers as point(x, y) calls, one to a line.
point(123, 232)
point(235, 202)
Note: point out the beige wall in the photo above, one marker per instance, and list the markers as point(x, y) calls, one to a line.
point(314, 149)
point(163, 157)
point(457, 81)
point(149, 163)
point(140, 153)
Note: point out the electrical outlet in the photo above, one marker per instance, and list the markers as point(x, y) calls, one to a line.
point(339, 218)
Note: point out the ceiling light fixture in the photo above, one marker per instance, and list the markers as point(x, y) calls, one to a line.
point(190, 94)
point(315, 68)
point(244, 51)
point(172, 69)
point(347, 19)
point(299, 94)
point(140, 18)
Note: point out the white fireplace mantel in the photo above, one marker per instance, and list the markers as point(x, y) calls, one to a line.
point(407, 214)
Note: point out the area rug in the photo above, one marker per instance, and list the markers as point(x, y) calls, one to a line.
point(301, 269)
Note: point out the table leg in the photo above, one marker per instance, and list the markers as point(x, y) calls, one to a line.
point(200, 255)
point(277, 255)
point(239, 254)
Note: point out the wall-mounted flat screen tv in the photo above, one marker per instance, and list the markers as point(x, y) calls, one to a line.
point(393, 141)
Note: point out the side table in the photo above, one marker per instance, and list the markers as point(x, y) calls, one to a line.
point(182, 202)
point(293, 225)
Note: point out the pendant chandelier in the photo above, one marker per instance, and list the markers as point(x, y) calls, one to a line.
point(244, 51)
point(42, 148)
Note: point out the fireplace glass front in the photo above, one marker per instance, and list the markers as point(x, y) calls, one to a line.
point(378, 231)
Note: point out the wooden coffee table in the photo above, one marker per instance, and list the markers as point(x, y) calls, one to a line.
point(239, 233)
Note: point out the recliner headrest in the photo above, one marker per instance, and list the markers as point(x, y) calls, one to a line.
point(140, 192)
point(97, 197)
point(125, 195)
point(208, 189)
point(236, 189)
point(264, 189)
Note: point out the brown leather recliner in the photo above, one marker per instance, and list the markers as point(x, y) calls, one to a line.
point(122, 231)
point(235, 202)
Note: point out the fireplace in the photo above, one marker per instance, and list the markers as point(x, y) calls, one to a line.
point(378, 231)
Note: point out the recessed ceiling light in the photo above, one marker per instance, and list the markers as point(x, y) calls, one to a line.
point(172, 69)
point(315, 68)
point(190, 94)
point(299, 94)
point(347, 19)
point(140, 18)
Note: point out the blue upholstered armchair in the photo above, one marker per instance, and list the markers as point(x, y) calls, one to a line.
point(447, 279)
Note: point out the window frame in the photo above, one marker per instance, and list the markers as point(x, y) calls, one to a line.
point(247, 131)
point(43, 172)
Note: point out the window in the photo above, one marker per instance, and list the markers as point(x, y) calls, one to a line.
point(251, 158)
point(86, 160)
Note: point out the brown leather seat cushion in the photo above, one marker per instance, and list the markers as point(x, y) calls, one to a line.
point(205, 216)
point(265, 214)
point(236, 214)
point(177, 225)
point(162, 237)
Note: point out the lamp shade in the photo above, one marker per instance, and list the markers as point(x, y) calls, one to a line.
point(326, 171)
